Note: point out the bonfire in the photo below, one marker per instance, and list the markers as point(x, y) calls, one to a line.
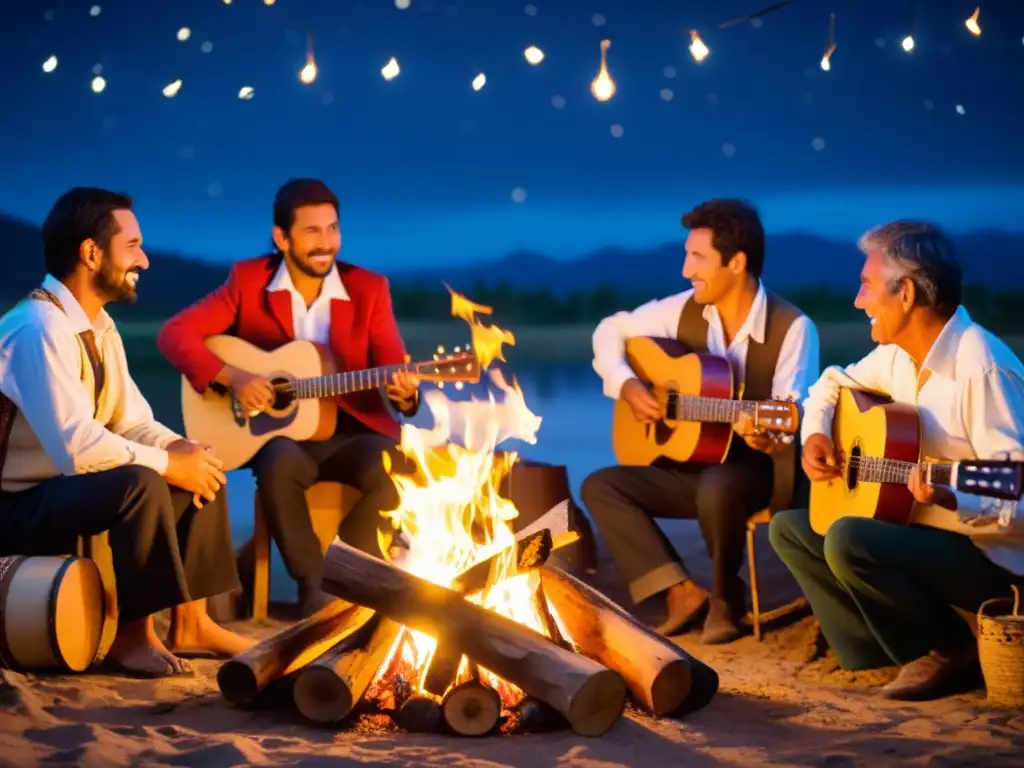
point(464, 626)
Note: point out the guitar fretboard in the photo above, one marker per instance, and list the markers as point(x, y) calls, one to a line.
point(709, 409)
point(336, 384)
point(877, 469)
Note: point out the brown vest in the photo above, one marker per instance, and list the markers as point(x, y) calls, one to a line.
point(9, 411)
point(789, 488)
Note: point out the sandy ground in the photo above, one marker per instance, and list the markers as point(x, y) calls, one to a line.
point(774, 708)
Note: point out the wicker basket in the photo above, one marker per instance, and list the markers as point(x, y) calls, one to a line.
point(1001, 652)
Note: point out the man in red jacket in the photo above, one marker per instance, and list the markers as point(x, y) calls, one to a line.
point(303, 292)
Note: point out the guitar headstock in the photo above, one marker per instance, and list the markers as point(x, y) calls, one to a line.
point(455, 367)
point(996, 478)
point(778, 416)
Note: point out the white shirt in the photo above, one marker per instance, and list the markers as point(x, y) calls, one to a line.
point(40, 371)
point(796, 368)
point(311, 323)
point(971, 406)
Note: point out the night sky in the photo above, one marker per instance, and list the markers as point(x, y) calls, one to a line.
point(430, 171)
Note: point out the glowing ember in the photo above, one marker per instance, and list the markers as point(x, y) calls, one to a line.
point(450, 514)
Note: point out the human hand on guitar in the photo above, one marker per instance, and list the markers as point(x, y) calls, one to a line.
point(765, 442)
point(254, 393)
point(819, 458)
point(645, 406)
point(925, 493)
point(194, 467)
point(403, 389)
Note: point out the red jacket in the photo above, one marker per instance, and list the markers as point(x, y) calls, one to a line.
point(364, 331)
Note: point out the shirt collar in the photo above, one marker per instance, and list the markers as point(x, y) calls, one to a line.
point(75, 314)
point(754, 325)
point(941, 358)
point(333, 287)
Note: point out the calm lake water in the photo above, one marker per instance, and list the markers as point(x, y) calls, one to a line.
point(575, 432)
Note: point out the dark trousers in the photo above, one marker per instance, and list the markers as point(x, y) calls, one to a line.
point(883, 593)
point(166, 552)
point(286, 469)
point(624, 502)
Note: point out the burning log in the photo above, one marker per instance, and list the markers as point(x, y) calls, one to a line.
point(242, 678)
point(472, 708)
point(419, 714)
point(590, 696)
point(444, 666)
point(328, 689)
point(534, 716)
point(532, 551)
point(660, 675)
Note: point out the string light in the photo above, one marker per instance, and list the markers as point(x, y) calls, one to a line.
point(50, 64)
point(246, 92)
point(184, 34)
point(171, 89)
point(390, 70)
point(972, 23)
point(534, 55)
point(98, 84)
point(907, 43)
point(698, 50)
point(603, 87)
point(308, 73)
point(402, 4)
point(826, 60)
point(479, 81)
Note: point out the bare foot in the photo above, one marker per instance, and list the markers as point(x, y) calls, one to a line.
point(685, 602)
point(138, 651)
point(194, 632)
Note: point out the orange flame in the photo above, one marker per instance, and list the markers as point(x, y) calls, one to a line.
point(486, 340)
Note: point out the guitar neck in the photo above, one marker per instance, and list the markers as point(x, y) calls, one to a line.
point(878, 469)
point(346, 382)
point(709, 409)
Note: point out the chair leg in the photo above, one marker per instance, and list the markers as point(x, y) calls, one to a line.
point(755, 597)
point(261, 564)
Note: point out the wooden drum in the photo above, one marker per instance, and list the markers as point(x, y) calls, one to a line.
point(51, 613)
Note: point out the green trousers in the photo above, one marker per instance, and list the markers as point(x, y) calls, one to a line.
point(883, 593)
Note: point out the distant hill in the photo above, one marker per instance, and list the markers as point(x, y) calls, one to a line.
point(795, 261)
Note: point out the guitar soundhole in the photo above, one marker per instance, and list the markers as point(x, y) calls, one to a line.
point(852, 467)
point(285, 393)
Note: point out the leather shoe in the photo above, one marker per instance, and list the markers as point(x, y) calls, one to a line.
point(936, 674)
point(684, 603)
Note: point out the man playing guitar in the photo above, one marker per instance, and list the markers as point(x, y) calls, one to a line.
point(301, 291)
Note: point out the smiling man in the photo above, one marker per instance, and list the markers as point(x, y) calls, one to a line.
point(80, 451)
point(883, 593)
point(773, 348)
point(302, 291)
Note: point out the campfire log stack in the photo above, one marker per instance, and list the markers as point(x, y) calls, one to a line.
point(579, 675)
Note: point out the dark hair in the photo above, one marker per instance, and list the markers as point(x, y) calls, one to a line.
point(298, 193)
point(735, 226)
point(921, 252)
point(80, 214)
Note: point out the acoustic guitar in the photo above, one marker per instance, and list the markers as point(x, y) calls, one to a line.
point(878, 445)
point(305, 380)
point(698, 395)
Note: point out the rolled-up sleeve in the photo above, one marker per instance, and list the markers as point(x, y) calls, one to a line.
point(658, 318)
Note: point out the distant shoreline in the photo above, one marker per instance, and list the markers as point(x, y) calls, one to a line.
point(841, 342)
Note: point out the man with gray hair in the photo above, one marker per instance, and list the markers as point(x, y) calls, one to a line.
point(884, 594)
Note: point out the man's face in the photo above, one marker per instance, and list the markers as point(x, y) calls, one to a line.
point(313, 242)
point(703, 267)
point(886, 302)
point(122, 261)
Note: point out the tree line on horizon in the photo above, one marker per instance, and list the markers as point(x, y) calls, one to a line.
point(997, 310)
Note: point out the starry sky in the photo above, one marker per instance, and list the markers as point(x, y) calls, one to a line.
point(431, 171)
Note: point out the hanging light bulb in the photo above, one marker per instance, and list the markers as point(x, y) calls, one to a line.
point(390, 70)
point(907, 43)
point(479, 81)
point(826, 60)
point(972, 23)
point(308, 73)
point(534, 55)
point(603, 87)
point(698, 50)
point(171, 89)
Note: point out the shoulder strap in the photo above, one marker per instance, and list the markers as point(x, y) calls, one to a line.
point(693, 328)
